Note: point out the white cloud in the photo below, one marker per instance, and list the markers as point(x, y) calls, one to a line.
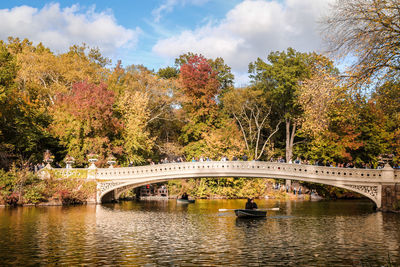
point(60, 28)
point(166, 7)
point(169, 5)
point(252, 29)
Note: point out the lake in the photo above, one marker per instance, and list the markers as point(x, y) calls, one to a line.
point(166, 233)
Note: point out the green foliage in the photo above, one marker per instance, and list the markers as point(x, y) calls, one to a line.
point(8, 70)
point(219, 187)
point(280, 78)
point(15, 184)
point(387, 99)
point(34, 195)
point(371, 126)
point(168, 72)
point(6, 185)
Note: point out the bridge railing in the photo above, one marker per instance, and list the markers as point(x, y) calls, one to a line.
point(233, 167)
point(243, 167)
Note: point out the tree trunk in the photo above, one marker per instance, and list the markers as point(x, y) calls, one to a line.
point(290, 133)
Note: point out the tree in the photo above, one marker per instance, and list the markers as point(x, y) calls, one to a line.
point(137, 144)
point(199, 87)
point(372, 134)
point(224, 74)
point(369, 31)
point(85, 122)
point(207, 130)
point(23, 119)
point(280, 79)
point(168, 73)
point(223, 139)
point(223, 71)
point(318, 95)
point(147, 101)
point(43, 74)
point(250, 109)
point(336, 140)
point(8, 72)
point(387, 99)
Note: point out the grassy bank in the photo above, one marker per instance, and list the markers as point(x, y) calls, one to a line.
point(21, 187)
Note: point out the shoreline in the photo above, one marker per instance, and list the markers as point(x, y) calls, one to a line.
point(93, 202)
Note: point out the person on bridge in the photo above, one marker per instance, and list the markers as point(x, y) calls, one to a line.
point(250, 204)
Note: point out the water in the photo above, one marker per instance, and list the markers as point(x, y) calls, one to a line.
point(164, 233)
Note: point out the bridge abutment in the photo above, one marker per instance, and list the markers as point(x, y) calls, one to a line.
point(391, 197)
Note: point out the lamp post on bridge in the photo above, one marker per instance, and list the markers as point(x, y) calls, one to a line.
point(111, 161)
point(92, 158)
point(69, 160)
point(48, 158)
point(385, 159)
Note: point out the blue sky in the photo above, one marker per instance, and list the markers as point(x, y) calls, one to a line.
point(155, 32)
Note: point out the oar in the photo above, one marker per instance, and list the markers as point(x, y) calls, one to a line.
point(256, 209)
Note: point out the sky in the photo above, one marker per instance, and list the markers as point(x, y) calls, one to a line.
point(155, 32)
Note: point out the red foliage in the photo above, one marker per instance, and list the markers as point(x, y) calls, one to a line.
point(85, 117)
point(92, 103)
point(200, 84)
point(13, 199)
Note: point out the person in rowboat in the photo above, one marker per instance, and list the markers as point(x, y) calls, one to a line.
point(250, 204)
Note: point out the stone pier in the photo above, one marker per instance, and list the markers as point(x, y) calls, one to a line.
point(391, 197)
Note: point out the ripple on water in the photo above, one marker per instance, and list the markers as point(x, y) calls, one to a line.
point(342, 233)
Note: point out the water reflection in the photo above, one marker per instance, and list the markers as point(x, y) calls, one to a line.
point(158, 233)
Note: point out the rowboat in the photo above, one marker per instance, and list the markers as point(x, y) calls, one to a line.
point(242, 213)
point(181, 200)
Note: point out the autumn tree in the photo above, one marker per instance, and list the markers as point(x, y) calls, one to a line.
point(349, 127)
point(199, 89)
point(136, 141)
point(372, 134)
point(369, 32)
point(337, 136)
point(387, 99)
point(147, 101)
point(23, 119)
point(44, 74)
point(318, 94)
point(8, 71)
point(85, 122)
point(355, 133)
point(205, 122)
point(222, 70)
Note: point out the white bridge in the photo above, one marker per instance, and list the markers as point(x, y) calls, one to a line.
point(377, 184)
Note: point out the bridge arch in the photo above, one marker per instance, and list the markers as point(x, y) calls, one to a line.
point(115, 191)
point(116, 181)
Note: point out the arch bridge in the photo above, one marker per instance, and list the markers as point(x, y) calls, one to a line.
point(382, 186)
